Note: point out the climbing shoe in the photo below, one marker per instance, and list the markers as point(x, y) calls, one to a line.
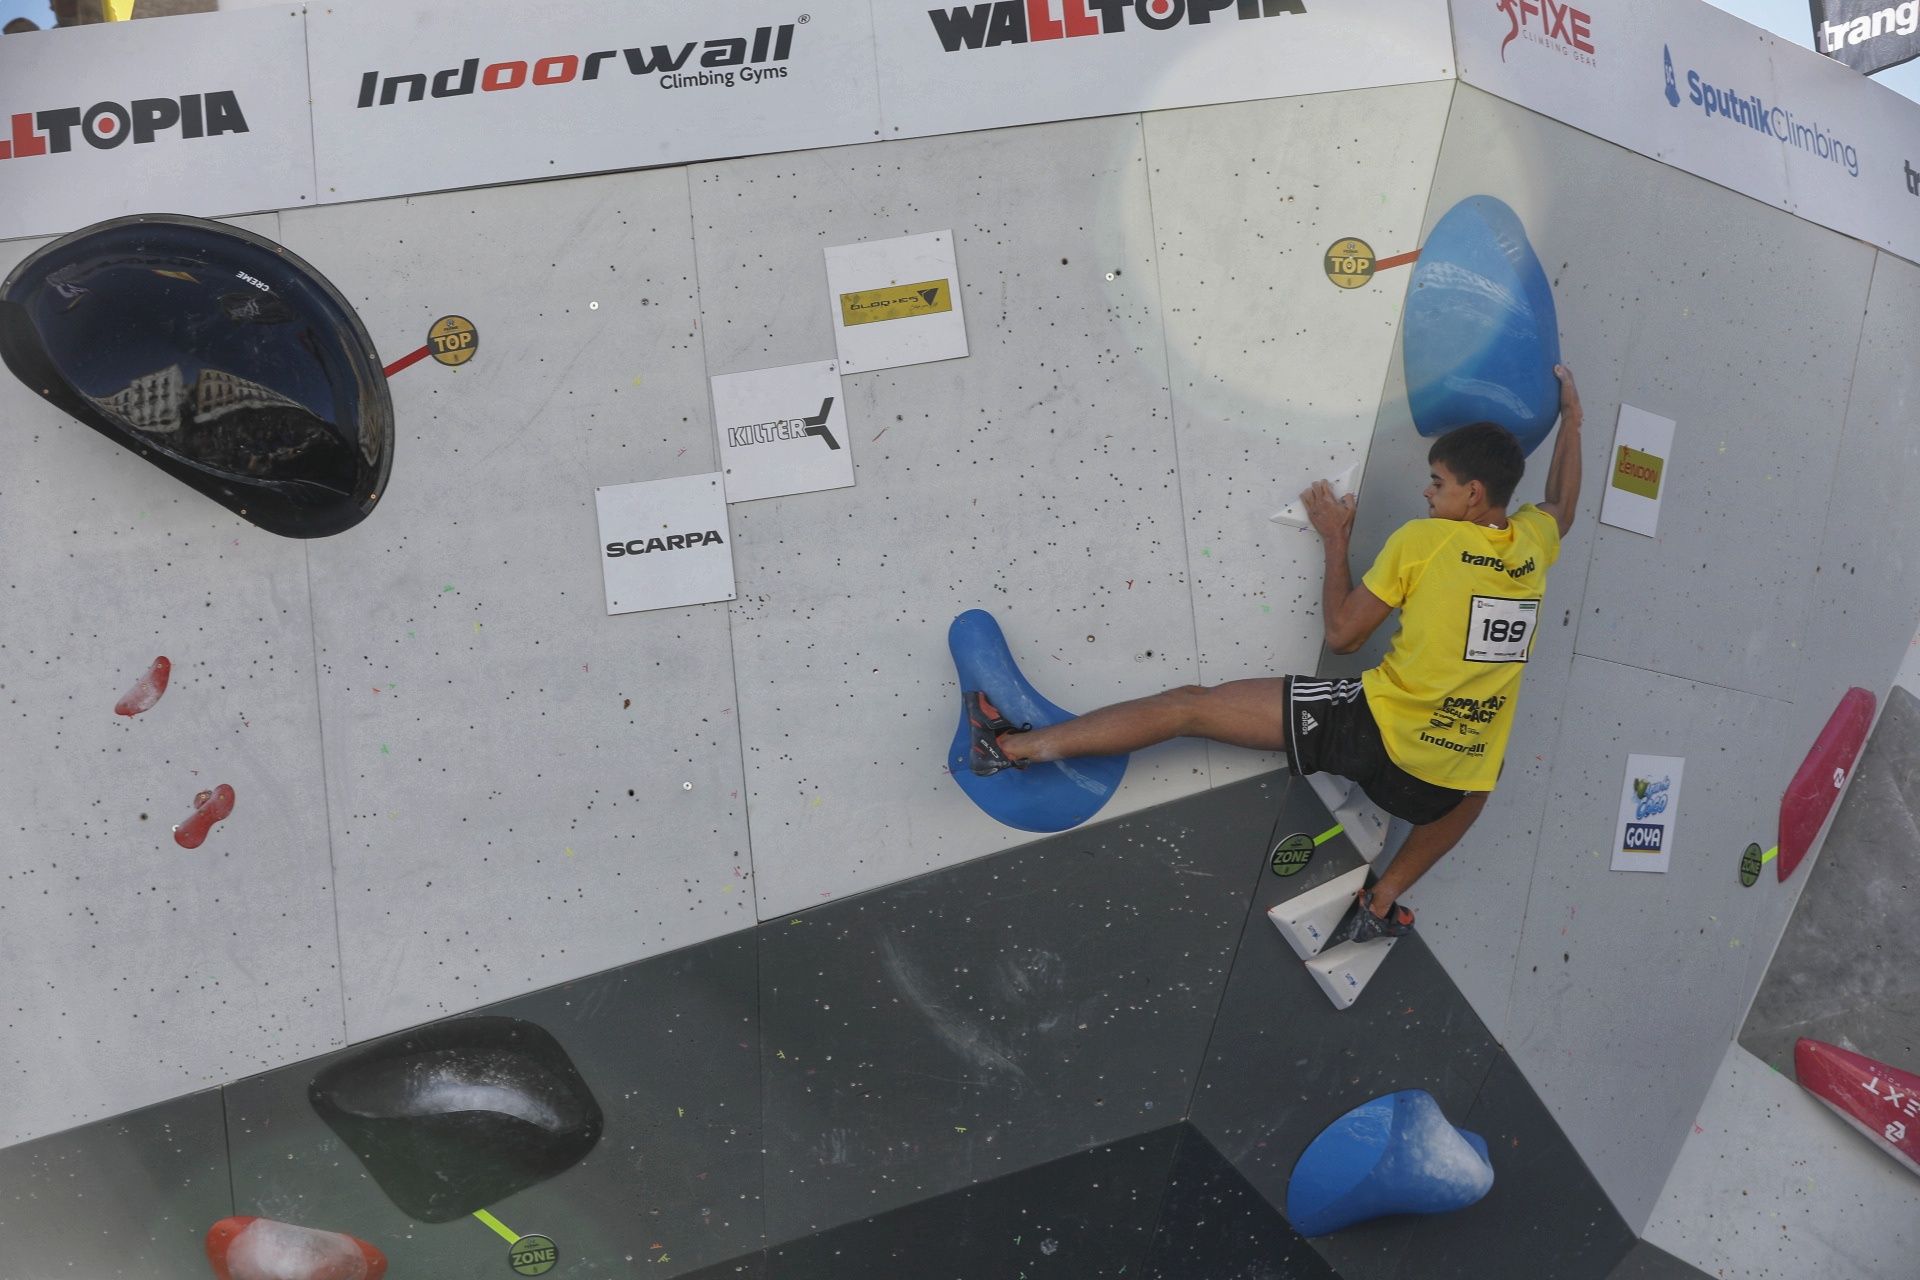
point(1361, 925)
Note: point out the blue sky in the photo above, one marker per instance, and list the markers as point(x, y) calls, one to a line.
point(1787, 18)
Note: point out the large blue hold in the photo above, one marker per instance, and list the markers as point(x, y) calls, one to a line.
point(1396, 1154)
point(1040, 797)
point(1481, 335)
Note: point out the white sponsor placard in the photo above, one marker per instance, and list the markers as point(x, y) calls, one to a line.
point(1649, 813)
point(896, 302)
point(782, 431)
point(1697, 88)
point(1637, 471)
point(952, 65)
point(664, 543)
point(203, 114)
point(425, 97)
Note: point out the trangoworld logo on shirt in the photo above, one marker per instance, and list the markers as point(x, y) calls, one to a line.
point(978, 26)
point(105, 125)
point(1495, 562)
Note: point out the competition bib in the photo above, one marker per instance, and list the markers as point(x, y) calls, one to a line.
point(1500, 630)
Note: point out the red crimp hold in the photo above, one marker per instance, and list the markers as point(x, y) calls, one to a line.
point(208, 808)
point(262, 1249)
point(146, 690)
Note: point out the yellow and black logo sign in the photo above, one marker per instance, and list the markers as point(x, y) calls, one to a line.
point(927, 298)
point(1350, 263)
point(453, 339)
point(533, 1256)
point(1750, 865)
point(1637, 472)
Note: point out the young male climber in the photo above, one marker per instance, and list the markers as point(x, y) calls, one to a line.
point(1423, 733)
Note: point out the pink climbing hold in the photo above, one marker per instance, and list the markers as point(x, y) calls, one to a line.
point(262, 1249)
point(146, 690)
point(1880, 1101)
point(208, 808)
point(1810, 797)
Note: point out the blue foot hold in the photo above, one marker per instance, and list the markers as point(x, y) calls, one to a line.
point(1040, 797)
point(1396, 1154)
point(1481, 335)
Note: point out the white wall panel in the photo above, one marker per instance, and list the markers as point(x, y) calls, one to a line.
point(521, 788)
point(1276, 371)
point(1036, 479)
point(133, 970)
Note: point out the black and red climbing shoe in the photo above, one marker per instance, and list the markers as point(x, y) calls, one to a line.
point(986, 724)
point(1361, 925)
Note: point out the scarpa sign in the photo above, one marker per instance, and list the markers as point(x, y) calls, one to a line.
point(1867, 35)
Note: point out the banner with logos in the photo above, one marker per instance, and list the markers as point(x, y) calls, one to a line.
point(1867, 35)
point(203, 114)
point(1701, 90)
point(411, 98)
point(951, 65)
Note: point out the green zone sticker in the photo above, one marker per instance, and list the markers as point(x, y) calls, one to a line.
point(1637, 472)
point(1750, 865)
point(533, 1255)
point(1292, 854)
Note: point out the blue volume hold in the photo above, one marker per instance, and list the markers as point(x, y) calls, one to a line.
point(1396, 1154)
point(1481, 334)
point(1040, 797)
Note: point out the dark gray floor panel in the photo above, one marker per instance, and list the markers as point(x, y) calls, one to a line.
point(1284, 1063)
point(131, 1197)
point(668, 1048)
point(1847, 970)
point(1214, 1226)
point(1650, 1262)
point(979, 1020)
point(1085, 1215)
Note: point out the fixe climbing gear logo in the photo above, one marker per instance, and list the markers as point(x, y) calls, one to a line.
point(1773, 120)
point(727, 61)
point(997, 22)
point(868, 306)
point(1560, 28)
point(1637, 472)
point(106, 125)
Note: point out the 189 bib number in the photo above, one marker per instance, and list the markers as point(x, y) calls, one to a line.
point(1500, 630)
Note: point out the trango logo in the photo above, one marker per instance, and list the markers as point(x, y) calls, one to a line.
point(786, 429)
point(1896, 20)
point(105, 125)
point(1559, 26)
point(1752, 111)
point(725, 62)
point(1022, 21)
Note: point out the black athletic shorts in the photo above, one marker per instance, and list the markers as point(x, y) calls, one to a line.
point(1330, 729)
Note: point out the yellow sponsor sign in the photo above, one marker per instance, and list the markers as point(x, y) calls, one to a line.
point(929, 297)
point(1350, 262)
point(1637, 472)
point(453, 339)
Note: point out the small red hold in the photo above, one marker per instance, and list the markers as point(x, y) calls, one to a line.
point(209, 807)
point(262, 1249)
point(146, 690)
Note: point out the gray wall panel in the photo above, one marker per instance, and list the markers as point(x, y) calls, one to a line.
point(1036, 478)
point(1771, 1183)
point(1001, 1013)
point(1275, 371)
point(129, 1198)
point(134, 970)
point(502, 817)
point(1629, 984)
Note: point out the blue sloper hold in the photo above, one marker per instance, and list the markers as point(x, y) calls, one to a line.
point(1396, 1154)
point(1040, 797)
point(455, 1116)
point(1481, 335)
